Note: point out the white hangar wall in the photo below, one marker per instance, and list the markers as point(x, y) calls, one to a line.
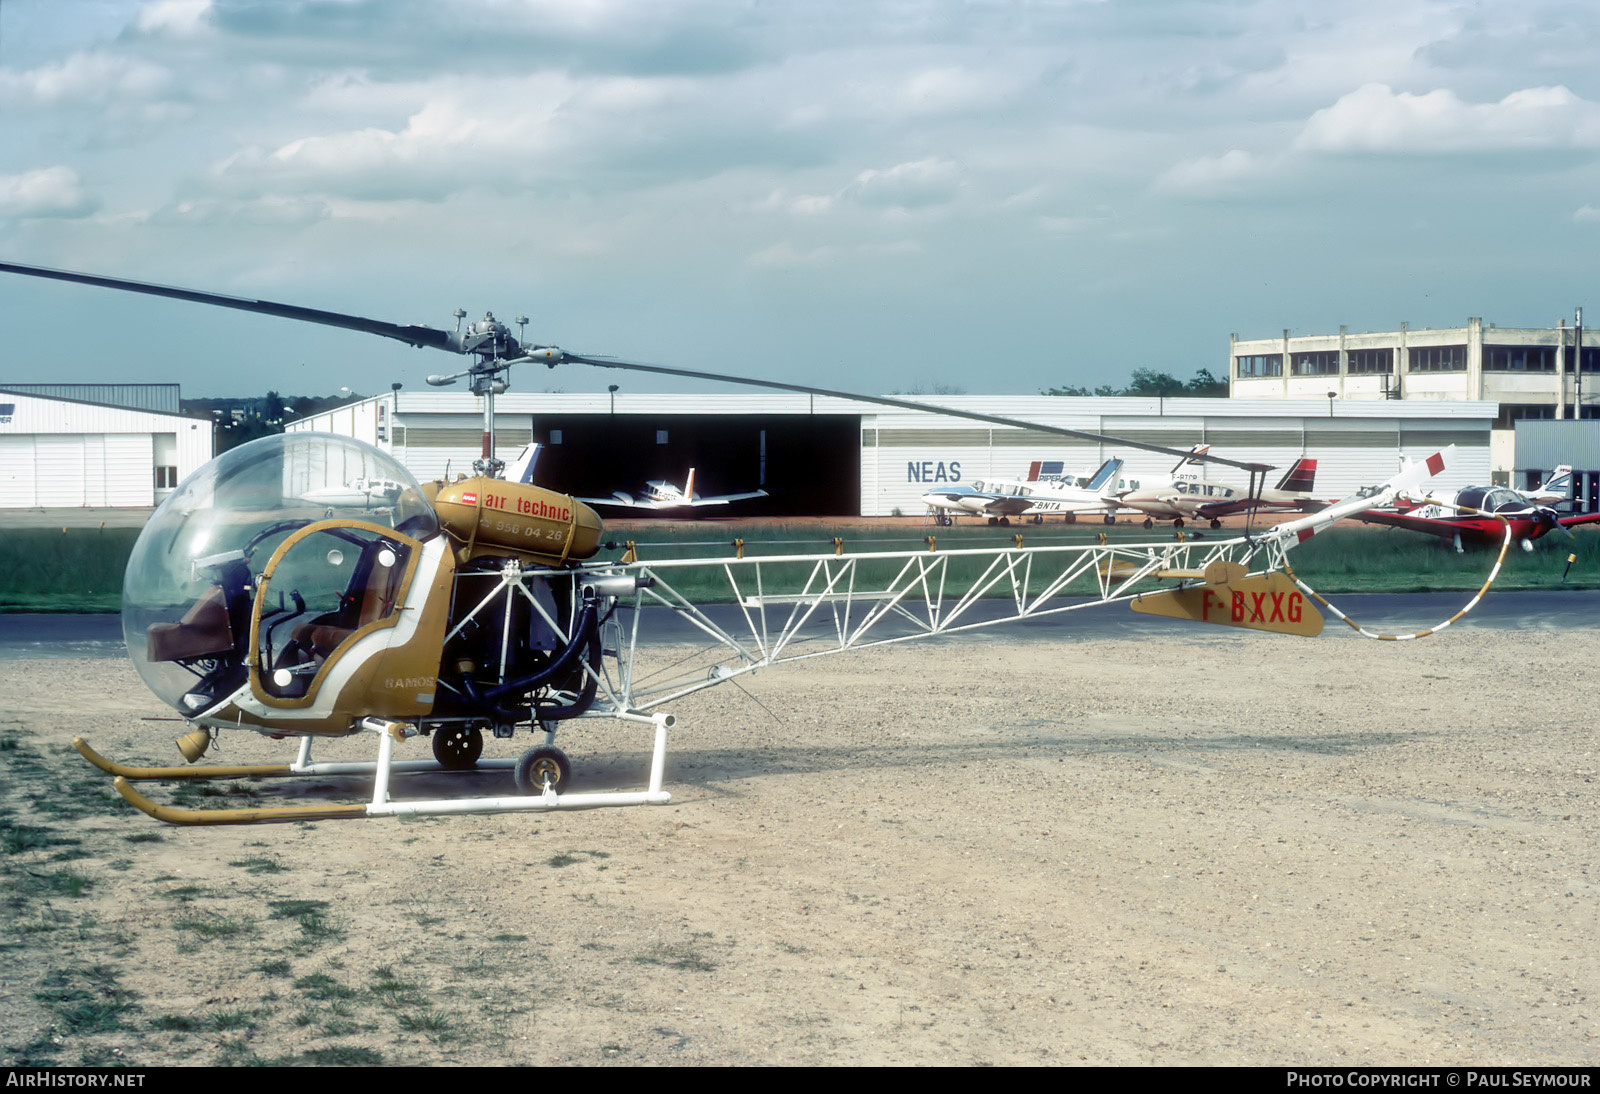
point(60, 453)
point(903, 453)
point(1355, 444)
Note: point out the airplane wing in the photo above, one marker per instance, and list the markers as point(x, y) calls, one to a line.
point(993, 504)
point(1443, 527)
point(621, 500)
point(628, 501)
point(1261, 505)
point(716, 499)
point(1578, 518)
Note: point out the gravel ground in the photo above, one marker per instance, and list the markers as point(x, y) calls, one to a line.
point(1214, 848)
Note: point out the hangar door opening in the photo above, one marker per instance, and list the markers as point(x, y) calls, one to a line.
point(809, 464)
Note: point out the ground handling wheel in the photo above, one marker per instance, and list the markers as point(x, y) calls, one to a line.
point(457, 747)
point(539, 766)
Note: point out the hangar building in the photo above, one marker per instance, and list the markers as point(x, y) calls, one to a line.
point(826, 456)
point(99, 445)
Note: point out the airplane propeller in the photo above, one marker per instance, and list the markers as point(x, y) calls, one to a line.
point(496, 349)
point(1551, 521)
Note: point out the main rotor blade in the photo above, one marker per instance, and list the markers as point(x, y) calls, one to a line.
point(905, 404)
point(445, 340)
point(411, 335)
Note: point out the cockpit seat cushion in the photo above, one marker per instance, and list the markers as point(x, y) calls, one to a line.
point(204, 631)
point(326, 633)
point(321, 638)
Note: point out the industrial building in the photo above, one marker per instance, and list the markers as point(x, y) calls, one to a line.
point(827, 456)
point(68, 446)
point(1533, 373)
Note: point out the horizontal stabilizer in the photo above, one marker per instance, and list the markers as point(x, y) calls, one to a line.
point(1265, 602)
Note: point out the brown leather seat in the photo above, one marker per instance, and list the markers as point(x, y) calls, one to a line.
point(204, 631)
point(377, 601)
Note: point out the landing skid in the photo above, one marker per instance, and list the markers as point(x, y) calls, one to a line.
point(543, 769)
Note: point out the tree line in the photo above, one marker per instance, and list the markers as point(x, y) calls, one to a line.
point(1149, 382)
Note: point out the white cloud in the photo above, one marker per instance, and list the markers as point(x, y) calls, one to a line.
point(45, 192)
point(785, 255)
point(91, 78)
point(178, 18)
point(267, 211)
point(913, 185)
point(805, 205)
point(948, 90)
point(1375, 118)
point(1211, 174)
point(1586, 214)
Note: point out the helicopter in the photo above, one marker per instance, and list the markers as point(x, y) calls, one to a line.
point(264, 595)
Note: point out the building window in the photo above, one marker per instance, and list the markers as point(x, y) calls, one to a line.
point(1591, 358)
point(1513, 412)
point(1439, 359)
point(1519, 358)
point(555, 436)
point(1259, 364)
point(1320, 363)
point(1369, 360)
point(661, 436)
point(166, 478)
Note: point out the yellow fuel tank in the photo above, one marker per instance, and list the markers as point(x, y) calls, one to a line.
point(496, 515)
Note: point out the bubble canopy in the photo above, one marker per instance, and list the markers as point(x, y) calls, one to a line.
point(220, 526)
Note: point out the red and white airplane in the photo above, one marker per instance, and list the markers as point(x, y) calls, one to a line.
point(1440, 513)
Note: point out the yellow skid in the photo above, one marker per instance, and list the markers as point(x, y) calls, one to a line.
point(276, 815)
point(111, 767)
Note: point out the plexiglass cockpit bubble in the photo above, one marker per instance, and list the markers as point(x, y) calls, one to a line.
point(186, 595)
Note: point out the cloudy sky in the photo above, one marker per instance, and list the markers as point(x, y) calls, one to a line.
point(999, 196)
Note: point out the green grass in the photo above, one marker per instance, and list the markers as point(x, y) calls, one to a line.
point(213, 925)
point(258, 865)
point(80, 569)
point(322, 987)
point(87, 999)
point(71, 570)
point(1348, 558)
point(344, 1056)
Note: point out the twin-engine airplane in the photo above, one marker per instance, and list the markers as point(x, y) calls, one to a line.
point(662, 494)
point(257, 598)
point(1002, 499)
point(1201, 499)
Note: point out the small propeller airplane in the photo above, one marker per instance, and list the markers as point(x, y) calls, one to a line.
point(1002, 499)
point(1480, 514)
point(661, 494)
point(256, 599)
point(1194, 498)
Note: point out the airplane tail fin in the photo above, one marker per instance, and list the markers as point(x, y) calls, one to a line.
point(1197, 450)
point(1559, 483)
point(1301, 478)
point(521, 468)
point(688, 486)
point(1107, 473)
